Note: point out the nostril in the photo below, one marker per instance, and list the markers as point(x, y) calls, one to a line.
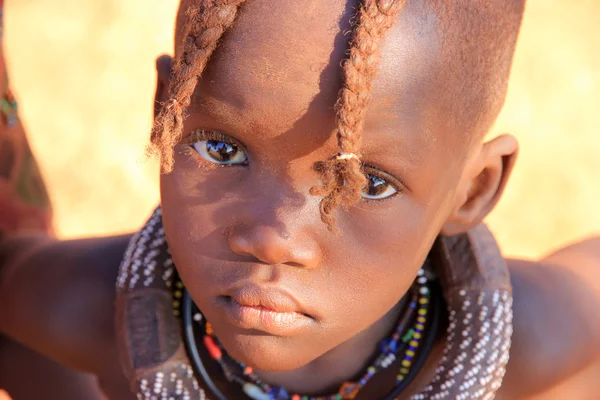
point(294, 264)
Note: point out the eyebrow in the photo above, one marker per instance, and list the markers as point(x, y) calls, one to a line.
point(219, 109)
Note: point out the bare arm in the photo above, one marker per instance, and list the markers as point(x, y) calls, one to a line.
point(556, 320)
point(57, 298)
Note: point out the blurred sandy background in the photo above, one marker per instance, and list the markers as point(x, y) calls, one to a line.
point(84, 73)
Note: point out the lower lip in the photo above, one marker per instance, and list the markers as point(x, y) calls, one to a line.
point(265, 320)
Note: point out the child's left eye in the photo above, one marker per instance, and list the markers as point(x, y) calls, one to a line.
point(221, 152)
point(378, 189)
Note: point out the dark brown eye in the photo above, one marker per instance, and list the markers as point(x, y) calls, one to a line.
point(378, 188)
point(221, 152)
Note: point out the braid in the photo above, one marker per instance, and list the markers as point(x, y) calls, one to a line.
point(342, 177)
point(207, 21)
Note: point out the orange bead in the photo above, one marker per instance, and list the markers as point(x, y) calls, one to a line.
point(247, 370)
point(214, 350)
point(295, 397)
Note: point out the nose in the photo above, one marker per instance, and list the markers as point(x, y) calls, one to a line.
point(270, 245)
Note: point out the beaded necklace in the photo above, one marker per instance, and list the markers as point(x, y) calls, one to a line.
point(9, 107)
point(8, 103)
point(163, 361)
point(406, 340)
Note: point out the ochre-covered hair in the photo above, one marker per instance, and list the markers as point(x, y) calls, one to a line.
point(342, 175)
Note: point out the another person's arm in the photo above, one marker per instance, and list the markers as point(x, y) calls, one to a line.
point(556, 319)
point(57, 297)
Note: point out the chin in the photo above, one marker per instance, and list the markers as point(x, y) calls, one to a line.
point(269, 353)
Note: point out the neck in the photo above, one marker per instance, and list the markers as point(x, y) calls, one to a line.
point(342, 363)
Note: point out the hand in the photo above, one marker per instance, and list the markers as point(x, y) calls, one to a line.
point(4, 395)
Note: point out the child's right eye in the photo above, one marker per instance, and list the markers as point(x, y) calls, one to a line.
point(220, 150)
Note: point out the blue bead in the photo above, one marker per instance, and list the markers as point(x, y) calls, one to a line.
point(363, 381)
point(281, 394)
point(384, 345)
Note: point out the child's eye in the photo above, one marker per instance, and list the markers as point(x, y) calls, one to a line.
point(378, 189)
point(222, 152)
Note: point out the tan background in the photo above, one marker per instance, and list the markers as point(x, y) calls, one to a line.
point(83, 71)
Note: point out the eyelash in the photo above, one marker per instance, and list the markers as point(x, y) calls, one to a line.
point(201, 134)
point(369, 169)
point(400, 187)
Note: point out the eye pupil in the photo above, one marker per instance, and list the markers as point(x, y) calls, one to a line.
point(376, 186)
point(221, 151)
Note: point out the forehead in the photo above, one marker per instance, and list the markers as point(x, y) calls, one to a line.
point(279, 61)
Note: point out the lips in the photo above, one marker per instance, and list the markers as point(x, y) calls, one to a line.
point(270, 310)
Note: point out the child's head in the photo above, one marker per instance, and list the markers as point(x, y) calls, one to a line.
point(265, 107)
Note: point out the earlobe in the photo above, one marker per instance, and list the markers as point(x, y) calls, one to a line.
point(163, 73)
point(483, 184)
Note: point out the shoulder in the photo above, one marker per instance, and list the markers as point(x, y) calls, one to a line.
point(556, 334)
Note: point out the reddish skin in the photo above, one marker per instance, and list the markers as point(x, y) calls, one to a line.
point(258, 223)
point(29, 209)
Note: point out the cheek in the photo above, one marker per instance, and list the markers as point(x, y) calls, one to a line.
point(195, 220)
point(375, 260)
point(397, 233)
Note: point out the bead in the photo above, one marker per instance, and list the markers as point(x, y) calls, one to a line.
point(247, 370)
point(349, 390)
point(295, 397)
point(254, 392)
point(214, 350)
point(279, 394)
point(408, 335)
point(209, 329)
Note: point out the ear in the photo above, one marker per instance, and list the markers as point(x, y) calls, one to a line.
point(163, 74)
point(482, 184)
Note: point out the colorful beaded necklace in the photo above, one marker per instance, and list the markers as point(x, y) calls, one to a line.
point(8, 103)
point(406, 340)
point(9, 107)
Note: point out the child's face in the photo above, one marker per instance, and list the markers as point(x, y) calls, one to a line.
point(251, 231)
